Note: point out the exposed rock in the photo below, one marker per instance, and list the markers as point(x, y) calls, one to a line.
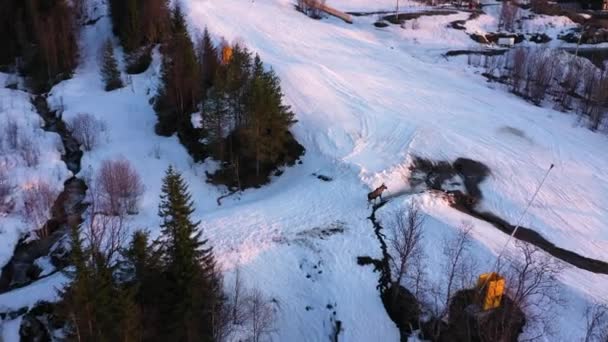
point(539, 38)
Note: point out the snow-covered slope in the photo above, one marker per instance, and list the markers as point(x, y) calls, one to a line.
point(369, 98)
point(366, 99)
point(32, 143)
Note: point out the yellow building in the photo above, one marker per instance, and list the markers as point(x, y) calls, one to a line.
point(492, 287)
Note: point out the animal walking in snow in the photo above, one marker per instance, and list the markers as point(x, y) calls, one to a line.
point(376, 193)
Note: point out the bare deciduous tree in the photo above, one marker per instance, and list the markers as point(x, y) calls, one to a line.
point(104, 233)
point(457, 268)
point(237, 308)
point(405, 240)
point(118, 188)
point(532, 284)
point(87, 130)
point(261, 312)
point(457, 260)
point(223, 329)
point(38, 199)
point(596, 328)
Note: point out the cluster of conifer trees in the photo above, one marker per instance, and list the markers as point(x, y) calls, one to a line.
point(244, 123)
point(139, 25)
point(163, 290)
point(39, 39)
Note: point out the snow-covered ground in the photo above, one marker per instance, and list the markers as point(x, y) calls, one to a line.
point(367, 99)
point(17, 111)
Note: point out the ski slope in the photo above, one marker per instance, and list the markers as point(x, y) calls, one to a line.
point(366, 99)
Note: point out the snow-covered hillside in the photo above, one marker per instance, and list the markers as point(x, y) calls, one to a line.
point(28, 156)
point(366, 100)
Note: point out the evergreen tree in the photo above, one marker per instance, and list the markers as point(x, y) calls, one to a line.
point(138, 23)
point(180, 93)
point(39, 37)
point(237, 75)
point(125, 23)
point(109, 68)
point(214, 120)
point(130, 34)
point(266, 134)
point(209, 62)
point(192, 291)
point(141, 271)
point(76, 306)
point(95, 304)
point(245, 111)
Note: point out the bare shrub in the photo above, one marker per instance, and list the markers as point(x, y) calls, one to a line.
point(29, 152)
point(599, 101)
point(38, 199)
point(541, 67)
point(596, 319)
point(415, 24)
point(118, 187)
point(87, 130)
point(474, 60)
point(589, 84)
point(570, 82)
point(517, 67)
point(261, 312)
point(11, 134)
point(405, 241)
point(494, 65)
point(532, 285)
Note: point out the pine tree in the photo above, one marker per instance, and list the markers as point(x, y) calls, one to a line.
point(266, 134)
point(193, 291)
point(236, 79)
point(209, 62)
point(215, 120)
point(154, 20)
point(96, 305)
point(180, 93)
point(41, 36)
point(109, 68)
point(77, 305)
point(130, 35)
point(142, 274)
